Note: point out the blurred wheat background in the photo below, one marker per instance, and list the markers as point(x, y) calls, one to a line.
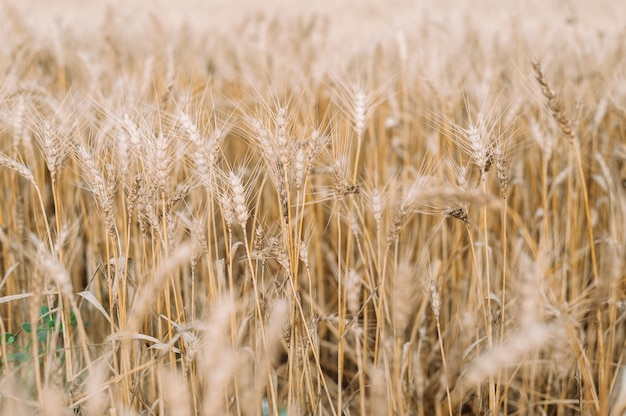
point(320, 208)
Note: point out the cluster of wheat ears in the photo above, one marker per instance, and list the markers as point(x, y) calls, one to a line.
point(216, 225)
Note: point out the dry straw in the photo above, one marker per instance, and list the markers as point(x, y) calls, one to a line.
point(254, 224)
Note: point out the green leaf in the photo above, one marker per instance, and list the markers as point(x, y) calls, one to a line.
point(44, 310)
point(27, 327)
point(42, 335)
point(18, 357)
point(9, 338)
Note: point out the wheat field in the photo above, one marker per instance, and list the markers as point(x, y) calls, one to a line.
point(364, 208)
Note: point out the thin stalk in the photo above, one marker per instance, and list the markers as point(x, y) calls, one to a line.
point(257, 303)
